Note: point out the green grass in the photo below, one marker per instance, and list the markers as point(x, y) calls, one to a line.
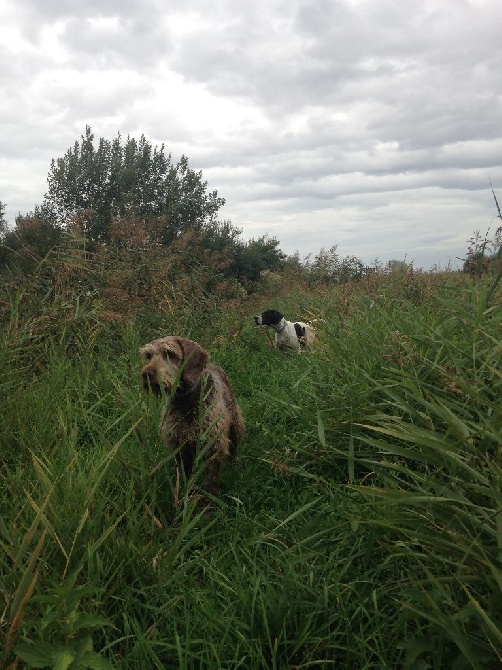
point(361, 526)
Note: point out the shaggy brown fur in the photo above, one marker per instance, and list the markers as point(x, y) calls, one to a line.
point(201, 412)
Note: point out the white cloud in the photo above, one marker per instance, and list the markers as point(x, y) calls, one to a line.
point(370, 124)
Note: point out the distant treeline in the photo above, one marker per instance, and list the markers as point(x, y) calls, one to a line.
point(123, 206)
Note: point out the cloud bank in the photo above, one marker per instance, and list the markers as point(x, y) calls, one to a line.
point(371, 124)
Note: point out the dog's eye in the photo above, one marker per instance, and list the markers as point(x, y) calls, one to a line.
point(148, 356)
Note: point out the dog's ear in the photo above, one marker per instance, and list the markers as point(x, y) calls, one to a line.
point(195, 360)
point(300, 330)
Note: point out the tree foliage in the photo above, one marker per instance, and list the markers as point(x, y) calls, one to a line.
point(397, 266)
point(483, 253)
point(138, 220)
point(116, 179)
point(31, 239)
point(327, 267)
point(251, 258)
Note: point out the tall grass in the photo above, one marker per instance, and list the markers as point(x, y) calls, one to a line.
point(360, 527)
point(430, 448)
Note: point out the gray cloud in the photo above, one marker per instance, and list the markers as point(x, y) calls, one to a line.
point(372, 124)
point(117, 42)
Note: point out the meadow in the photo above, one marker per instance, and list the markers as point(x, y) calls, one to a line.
point(361, 526)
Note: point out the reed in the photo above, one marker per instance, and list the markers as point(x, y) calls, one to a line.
point(360, 528)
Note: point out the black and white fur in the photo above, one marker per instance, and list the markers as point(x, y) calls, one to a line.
point(297, 335)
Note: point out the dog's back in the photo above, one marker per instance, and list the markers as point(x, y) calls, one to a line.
point(304, 333)
point(225, 396)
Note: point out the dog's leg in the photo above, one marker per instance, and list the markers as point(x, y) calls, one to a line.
point(234, 437)
point(211, 478)
point(185, 458)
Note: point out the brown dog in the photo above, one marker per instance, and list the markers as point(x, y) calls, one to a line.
point(202, 412)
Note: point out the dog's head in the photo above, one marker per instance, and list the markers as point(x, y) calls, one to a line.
point(270, 317)
point(172, 362)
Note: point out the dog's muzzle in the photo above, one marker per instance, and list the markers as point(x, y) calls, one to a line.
point(150, 382)
point(257, 320)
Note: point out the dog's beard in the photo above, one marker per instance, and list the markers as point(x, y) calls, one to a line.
point(152, 385)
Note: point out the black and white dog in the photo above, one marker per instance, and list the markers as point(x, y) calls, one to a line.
point(296, 335)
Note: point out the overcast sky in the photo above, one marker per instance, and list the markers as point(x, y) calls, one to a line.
point(375, 125)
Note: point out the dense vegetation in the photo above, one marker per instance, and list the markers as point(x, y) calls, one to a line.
point(360, 527)
point(127, 198)
point(362, 524)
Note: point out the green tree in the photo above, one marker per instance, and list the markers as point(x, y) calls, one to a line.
point(325, 265)
point(257, 254)
point(220, 236)
point(117, 179)
point(31, 239)
point(351, 269)
point(484, 252)
point(398, 267)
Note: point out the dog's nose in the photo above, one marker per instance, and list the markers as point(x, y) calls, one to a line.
point(257, 320)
